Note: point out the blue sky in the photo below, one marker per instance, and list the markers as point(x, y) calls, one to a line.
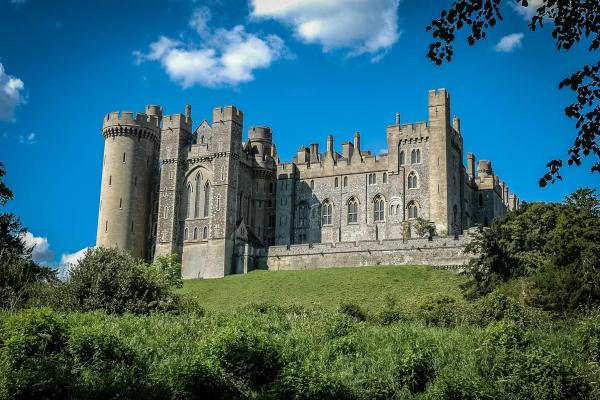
point(306, 68)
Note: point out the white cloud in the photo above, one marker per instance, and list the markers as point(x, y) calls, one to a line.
point(41, 252)
point(11, 95)
point(527, 12)
point(70, 260)
point(28, 139)
point(509, 43)
point(225, 57)
point(363, 26)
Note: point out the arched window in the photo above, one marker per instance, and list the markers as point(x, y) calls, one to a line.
point(352, 211)
point(412, 180)
point(327, 212)
point(413, 210)
point(336, 184)
point(190, 200)
point(197, 201)
point(185, 234)
point(401, 158)
point(204, 233)
point(415, 156)
point(385, 177)
point(303, 214)
point(379, 209)
point(345, 181)
point(206, 198)
point(195, 233)
point(312, 184)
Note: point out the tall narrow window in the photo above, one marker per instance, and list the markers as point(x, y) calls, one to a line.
point(204, 233)
point(327, 212)
point(345, 181)
point(385, 177)
point(190, 201)
point(379, 209)
point(131, 226)
point(415, 156)
point(303, 215)
point(135, 181)
point(413, 210)
point(352, 211)
point(106, 226)
point(206, 198)
point(412, 180)
point(336, 184)
point(195, 233)
point(123, 157)
point(197, 201)
point(185, 234)
point(120, 203)
point(110, 180)
point(401, 158)
point(312, 184)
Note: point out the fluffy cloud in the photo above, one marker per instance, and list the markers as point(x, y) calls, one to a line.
point(363, 26)
point(69, 260)
point(529, 11)
point(225, 57)
point(509, 43)
point(11, 95)
point(41, 252)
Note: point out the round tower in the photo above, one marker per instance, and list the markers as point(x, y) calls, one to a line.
point(130, 165)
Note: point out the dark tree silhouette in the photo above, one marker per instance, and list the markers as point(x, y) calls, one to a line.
point(573, 21)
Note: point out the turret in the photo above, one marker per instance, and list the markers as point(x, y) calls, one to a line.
point(471, 164)
point(456, 124)
point(129, 167)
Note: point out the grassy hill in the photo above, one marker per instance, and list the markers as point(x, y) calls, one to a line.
point(368, 287)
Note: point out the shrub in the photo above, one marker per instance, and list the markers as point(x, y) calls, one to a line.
point(496, 307)
point(340, 326)
point(458, 386)
point(249, 356)
point(415, 369)
point(33, 357)
point(588, 336)
point(353, 311)
point(102, 366)
point(309, 381)
point(439, 311)
point(115, 282)
point(197, 379)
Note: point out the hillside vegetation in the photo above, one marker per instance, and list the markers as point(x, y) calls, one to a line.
point(369, 287)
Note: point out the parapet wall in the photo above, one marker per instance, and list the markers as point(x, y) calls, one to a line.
point(441, 252)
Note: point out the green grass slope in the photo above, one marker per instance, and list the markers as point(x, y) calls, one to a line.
point(369, 287)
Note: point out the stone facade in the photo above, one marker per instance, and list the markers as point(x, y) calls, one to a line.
point(227, 206)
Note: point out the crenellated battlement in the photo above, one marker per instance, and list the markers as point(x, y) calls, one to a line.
point(128, 118)
point(177, 121)
point(228, 113)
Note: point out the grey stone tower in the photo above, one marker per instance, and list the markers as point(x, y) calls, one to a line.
point(129, 166)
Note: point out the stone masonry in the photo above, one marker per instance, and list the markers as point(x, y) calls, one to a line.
point(227, 206)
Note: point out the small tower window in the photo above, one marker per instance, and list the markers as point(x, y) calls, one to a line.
point(185, 234)
point(336, 184)
point(413, 210)
point(106, 226)
point(110, 180)
point(415, 156)
point(204, 233)
point(123, 157)
point(312, 184)
point(412, 180)
point(131, 226)
point(206, 198)
point(379, 210)
point(120, 202)
point(385, 177)
point(345, 181)
point(401, 158)
point(195, 233)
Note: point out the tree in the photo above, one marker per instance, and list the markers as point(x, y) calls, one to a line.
point(573, 21)
point(18, 271)
point(424, 227)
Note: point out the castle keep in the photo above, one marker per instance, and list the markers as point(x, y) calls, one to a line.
point(227, 206)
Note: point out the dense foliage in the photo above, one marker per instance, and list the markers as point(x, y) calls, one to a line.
point(556, 247)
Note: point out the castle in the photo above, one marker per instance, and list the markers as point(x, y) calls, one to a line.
point(227, 206)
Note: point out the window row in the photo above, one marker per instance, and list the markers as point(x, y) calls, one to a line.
point(415, 157)
point(196, 193)
point(195, 234)
point(352, 211)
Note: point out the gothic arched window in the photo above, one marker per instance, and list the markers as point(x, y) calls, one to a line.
point(379, 209)
point(413, 210)
point(327, 212)
point(198, 198)
point(412, 180)
point(352, 211)
point(190, 201)
point(336, 184)
point(415, 156)
point(401, 158)
point(204, 233)
point(345, 181)
point(195, 233)
point(185, 234)
point(206, 198)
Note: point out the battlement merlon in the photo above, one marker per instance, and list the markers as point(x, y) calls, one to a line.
point(228, 113)
point(129, 119)
point(438, 97)
point(177, 121)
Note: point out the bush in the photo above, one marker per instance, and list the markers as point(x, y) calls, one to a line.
point(415, 369)
point(588, 336)
point(249, 356)
point(32, 356)
point(353, 311)
point(113, 281)
point(102, 366)
point(439, 311)
point(308, 381)
point(458, 386)
point(496, 307)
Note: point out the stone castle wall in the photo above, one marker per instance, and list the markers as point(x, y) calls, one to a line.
point(441, 252)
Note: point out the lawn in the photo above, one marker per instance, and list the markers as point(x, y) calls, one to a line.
point(369, 287)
